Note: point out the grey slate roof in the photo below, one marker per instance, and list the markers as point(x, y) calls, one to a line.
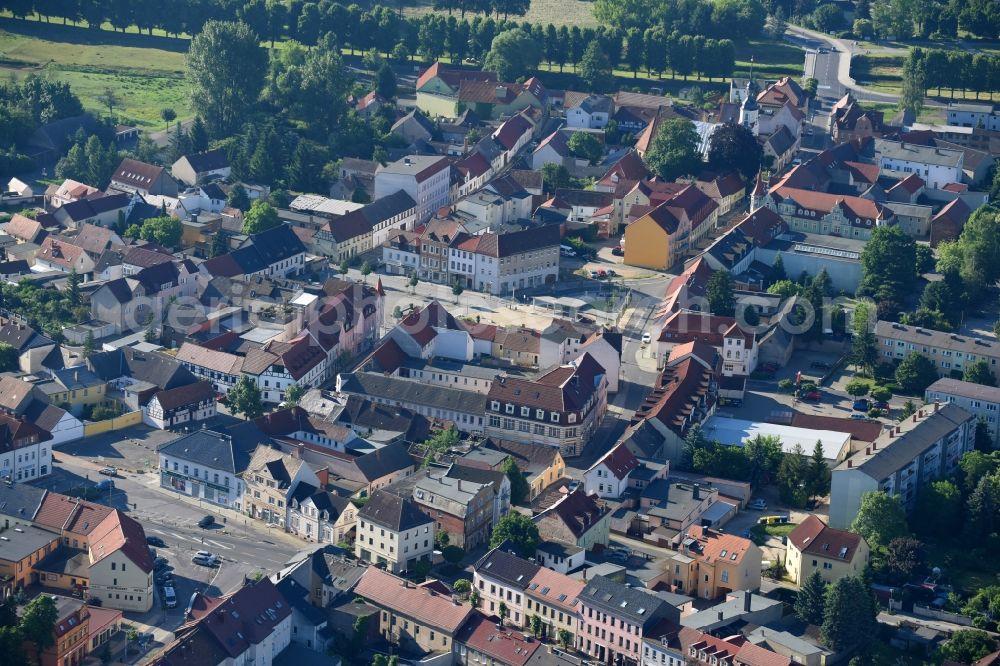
point(158, 369)
point(19, 500)
point(393, 512)
point(228, 452)
point(503, 565)
point(619, 601)
point(384, 461)
point(957, 387)
point(409, 392)
point(892, 453)
point(898, 150)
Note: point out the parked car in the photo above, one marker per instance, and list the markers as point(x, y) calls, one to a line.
point(646, 338)
point(205, 553)
point(105, 485)
point(768, 367)
point(812, 396)
point(595, 275)
point(164, 577)
point(881, 404)
point(821, 365)
point(859, 417)
point(757, 505)
point(206, 522)
point(169, 597)
point(204, 561)
point(108, 471)
point(95, 601)
point(862, 405)
point(602, 273)
point(156, 541)
point(618, 252)
point(160, 563)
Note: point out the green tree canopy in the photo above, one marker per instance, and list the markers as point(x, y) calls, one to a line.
point(674, 150)
point(967, 646)
point(244, 398)
point(810, 602)
point(979, 373)
point(880, 519)
point(519, 530)
point(261, 217)
point(519, 488)
point(586, 146)
point(513, 55)
point(164, 230)
point(733, 147)
point(595, 68)
point(720, 294)
point(849, 618)
point(938, 509)
point(225, 72)
point(888, 265)
point(915, 373)
point(9, 358)
point(38, 622)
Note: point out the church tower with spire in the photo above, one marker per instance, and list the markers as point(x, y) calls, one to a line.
point(749, 110)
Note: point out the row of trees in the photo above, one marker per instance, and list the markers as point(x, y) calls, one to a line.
point(951, 70)
point(905, 19)
point(737, 19)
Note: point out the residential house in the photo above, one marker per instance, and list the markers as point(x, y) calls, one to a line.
point(590, 112)
point(57, 254)
point(182, 405)
point(561, 407)
point(577, 519)
point(417, 618)
point(554, 597)
point(936, 166)
point(71, 633)
point(965, 114)
point(615, 617)
point(197, 168)
point(924, 447)
point(948, 223)
point(609, 476)
point(252, 625)
point(145, 179)
point(24, 229)
point(120, 564)
point(277, 365)
point(67, 192)
point(104, 211)
point(270, 480)
point(463, 509)
point(34, 350)
point(484, 641)
point(981, 401)
point(321, 516)
point(814, 546)
point(437, 88)
point(541, 465)
point(710, 564)
point(220, 368)
point(492, 99)
point(501, 579)
point(425, 178)
point(74, 389)
point(394, 532)
point(849, 120)
point(401, 253)
point(703, 649)
point(413, 127)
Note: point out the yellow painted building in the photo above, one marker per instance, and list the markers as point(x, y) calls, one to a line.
point(713, 564)
point(657, 240)
point(813, 546)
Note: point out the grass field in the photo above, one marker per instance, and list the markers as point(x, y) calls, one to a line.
point(883, 72)
point(146, 73)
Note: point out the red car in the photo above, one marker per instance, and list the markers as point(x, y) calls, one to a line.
point(812, 396)
point(882, 405)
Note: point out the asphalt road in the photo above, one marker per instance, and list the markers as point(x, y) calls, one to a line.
point(245, 546)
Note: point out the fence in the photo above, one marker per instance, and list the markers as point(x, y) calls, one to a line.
point(116, 423)
point(944, 616)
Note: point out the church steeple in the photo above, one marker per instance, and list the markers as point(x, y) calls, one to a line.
point(749, 109)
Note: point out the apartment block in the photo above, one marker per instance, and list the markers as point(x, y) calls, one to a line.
point(925, 447)
point(981, 401)
point(949, 351)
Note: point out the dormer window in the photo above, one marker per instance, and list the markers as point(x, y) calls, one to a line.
point(495, 405)
point(540, 414)
point(510, 409)
point(555, 417)
point(526, 411)
point(572, 418)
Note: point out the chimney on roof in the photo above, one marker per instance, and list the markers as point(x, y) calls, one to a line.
point(696, 491)
point(850, 463)
point(500, 92)
point(747, 598)
point(721, 616)
point(76, 375)
point(868, 450)
point(935, 406)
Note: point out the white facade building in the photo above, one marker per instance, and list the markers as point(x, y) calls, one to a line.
point(936, 166)
point(203, 465)
point(426, 178)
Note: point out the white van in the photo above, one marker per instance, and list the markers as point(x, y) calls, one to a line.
point(567, 251)
point(170, 597)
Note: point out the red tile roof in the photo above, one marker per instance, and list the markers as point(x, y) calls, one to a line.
point(911, 184)
point(505, 646)
point(865, 431)
point(511, 131)
point(577, 511)
point(555, 588)
point(813, 536)
point(243, 619)
point(185, 395)
point(421, 604)
point(619, 461)
point(59, 252)
point(687, 326)
point(119, 533)
point(762, 226)
point(59, 512)
point(824, 203)
point(453, 77)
